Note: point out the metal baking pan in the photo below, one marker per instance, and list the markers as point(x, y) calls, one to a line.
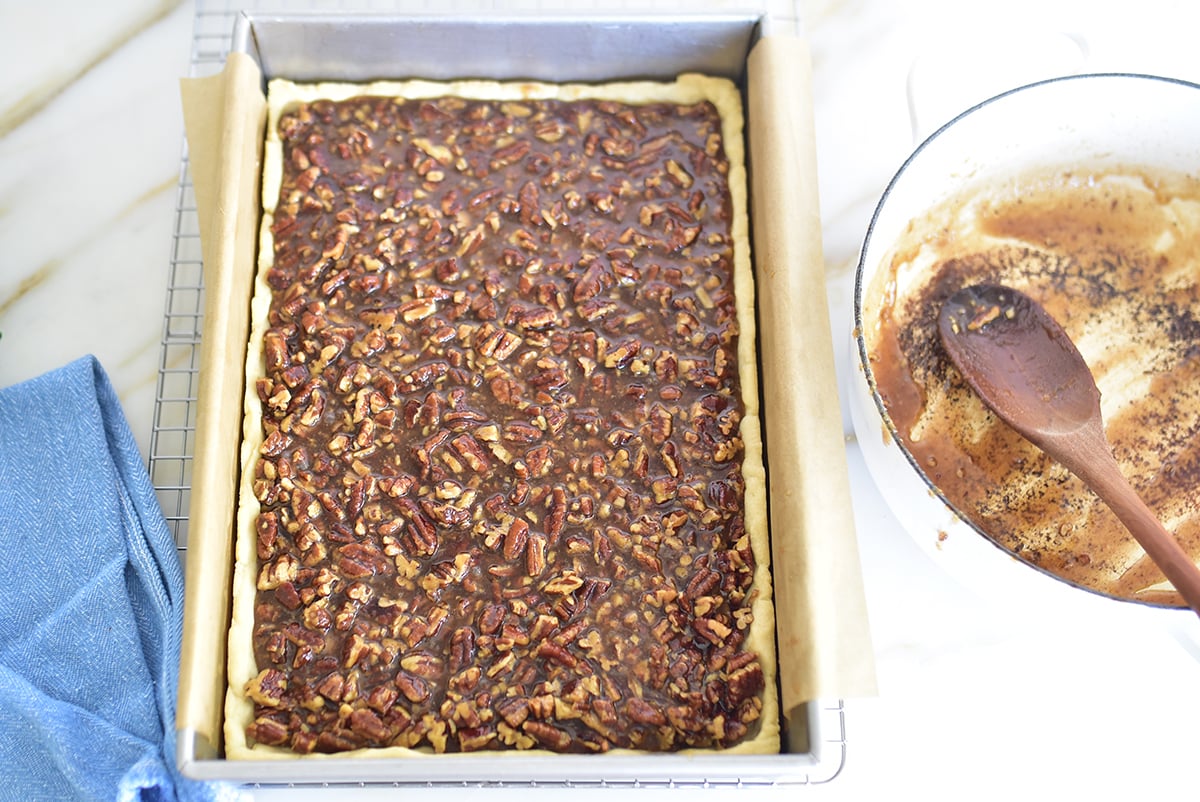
point(597, 47)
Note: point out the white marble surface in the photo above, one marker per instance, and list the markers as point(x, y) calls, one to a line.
point(972, 704)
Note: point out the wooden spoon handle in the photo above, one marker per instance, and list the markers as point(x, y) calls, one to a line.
point(1106, 479)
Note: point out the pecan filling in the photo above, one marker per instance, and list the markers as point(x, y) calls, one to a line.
point(501, 483)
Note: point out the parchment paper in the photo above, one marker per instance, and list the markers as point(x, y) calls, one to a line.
point(821, 619)
point(224, 116)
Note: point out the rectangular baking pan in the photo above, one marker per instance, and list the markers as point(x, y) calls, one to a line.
point(597, 47)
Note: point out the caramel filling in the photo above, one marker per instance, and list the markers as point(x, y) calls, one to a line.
point(501, 486)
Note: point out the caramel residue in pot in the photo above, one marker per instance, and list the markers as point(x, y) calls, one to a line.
point(1115, 258)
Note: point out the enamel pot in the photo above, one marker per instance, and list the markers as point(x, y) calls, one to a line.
point(1097, 119)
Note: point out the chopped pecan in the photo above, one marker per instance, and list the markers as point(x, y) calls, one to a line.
point(548, 735)
point(267, 688)
point(423, 664)
point(268, 731)
point(535, 555)
point(521, 432)
point(462, 649)
point(556, 653)
point(515, 540)
point(413, 687)
point(745, 683)
point(368, 724)
point(642, 711)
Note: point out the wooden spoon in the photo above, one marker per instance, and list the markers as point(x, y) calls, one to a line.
point(1027, 370)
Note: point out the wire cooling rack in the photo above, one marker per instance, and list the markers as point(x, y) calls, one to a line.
point(172, 436)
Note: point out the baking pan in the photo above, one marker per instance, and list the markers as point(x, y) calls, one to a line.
point(559, 48)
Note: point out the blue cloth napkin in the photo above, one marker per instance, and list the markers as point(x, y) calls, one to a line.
point(91, 602)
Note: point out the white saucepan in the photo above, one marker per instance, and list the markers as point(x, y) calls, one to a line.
point(1116, 119)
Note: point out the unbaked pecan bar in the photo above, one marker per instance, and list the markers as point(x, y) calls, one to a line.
point(503, 477)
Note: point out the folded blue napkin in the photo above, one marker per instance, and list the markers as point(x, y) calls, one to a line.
point(91, 602)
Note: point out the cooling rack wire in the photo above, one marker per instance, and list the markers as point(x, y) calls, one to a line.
point(173, 432)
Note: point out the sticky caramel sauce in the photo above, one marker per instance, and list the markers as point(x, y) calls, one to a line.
point(1115, 258)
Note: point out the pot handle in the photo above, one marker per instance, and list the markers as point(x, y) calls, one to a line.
point(953, 72)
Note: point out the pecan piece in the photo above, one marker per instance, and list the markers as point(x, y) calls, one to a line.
point(594, 309)
point(549, 736)
point(535, 555)
point(422, 664)
point(267, 688)
point(491, 618)
point(565, 583)
point(332, 687)
point(283, 568)
point(515, 540)
point(536, 319)
point(712, 630)
point(642, 711)
point(267, 527)
point(275, 444)
point(471, 451)
point(413, 687)
point(268, 731)
point(590, 283)
point(557, 653)
point(558, 513)
point(549, 130)
point(521, 432)
point(623, 354)
point(514, 710)
point(745, 683)
point(423, 534)
point(679, 174)
point(702, 583)
point(382, 698)
point(462, 649)
point(368, 724)
point(472, 739)
point(359, 560)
